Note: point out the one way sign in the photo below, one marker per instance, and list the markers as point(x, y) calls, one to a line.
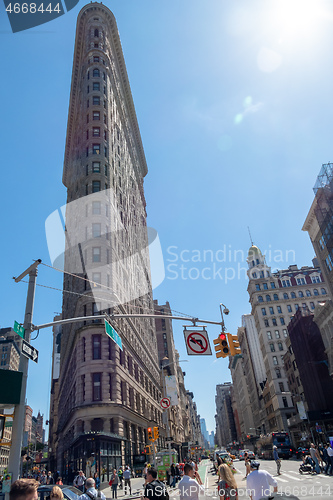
point(29, 351)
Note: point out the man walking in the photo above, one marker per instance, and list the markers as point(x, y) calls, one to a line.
point(259, 482)
point(330, 456)
point(154, 489)
point(277, 460)
point(79, 481)
point(315, 457)
point(91, 492)
point(127, 479)
point(191, 485)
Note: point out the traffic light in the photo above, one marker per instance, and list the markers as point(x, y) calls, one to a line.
point(234, 344)
point(150, 434)
point(156, 433)
point(148, 450)
point(221, 346)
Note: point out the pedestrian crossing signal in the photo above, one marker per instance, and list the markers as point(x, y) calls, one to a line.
point(221, 346)
point(234, 344)
point(150, 434)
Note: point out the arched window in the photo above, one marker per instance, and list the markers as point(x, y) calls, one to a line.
point(276, 297)
point(96, 73)
point(300, 293)
point(260, 299)
point(293, 295)
point(254, 275)
point(268, 298)
point(285, 296)
point(308, 293)
point(96, 33)
point(253, 263)
point(323, 291)
point(315, 292)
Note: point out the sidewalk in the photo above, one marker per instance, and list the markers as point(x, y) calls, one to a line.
point(136, 486)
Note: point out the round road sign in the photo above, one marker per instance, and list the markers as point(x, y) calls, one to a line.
point(197, 343)
point(165, 403)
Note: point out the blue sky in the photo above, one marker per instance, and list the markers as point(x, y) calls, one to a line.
point(234, 104)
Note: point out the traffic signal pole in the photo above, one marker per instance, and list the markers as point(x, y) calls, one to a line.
point(19, 415)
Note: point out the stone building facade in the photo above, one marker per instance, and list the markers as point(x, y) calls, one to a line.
point(107, 396)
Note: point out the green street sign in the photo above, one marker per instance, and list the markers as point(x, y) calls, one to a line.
point(19, 329)
point(111, 332)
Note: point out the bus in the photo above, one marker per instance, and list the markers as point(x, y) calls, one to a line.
point(279, 439)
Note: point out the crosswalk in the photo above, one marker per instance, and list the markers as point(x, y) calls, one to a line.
point(294, 476)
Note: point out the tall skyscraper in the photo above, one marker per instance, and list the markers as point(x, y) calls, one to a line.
point(108, 395)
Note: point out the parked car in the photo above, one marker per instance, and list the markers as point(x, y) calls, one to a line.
point(250, 453)
point(301, 452)
point(70, 492)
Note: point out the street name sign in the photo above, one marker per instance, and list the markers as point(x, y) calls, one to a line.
point(111, 332)
point(29, 351)
point(19, 329)
point(197, 342)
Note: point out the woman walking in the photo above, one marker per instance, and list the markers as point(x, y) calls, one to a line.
point(227, 484)
point(114, 483)
point(247, 464)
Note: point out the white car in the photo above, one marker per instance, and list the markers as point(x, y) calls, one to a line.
point(250, 453)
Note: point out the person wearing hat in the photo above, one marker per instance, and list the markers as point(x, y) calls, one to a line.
point(259, 482)
point(277, 460)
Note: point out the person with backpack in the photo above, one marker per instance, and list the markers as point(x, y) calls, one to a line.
point(154, 489)
point(91, 492)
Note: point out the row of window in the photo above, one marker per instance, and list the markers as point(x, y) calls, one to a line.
point(96, 169)
point(276, 360)
point(96, 132)
point(96, 116)
point(279, 345)
point(96, 73)
point(300, 294)
point(263, 310)
point(277, 334)
point(287, 283)
point(261, 274)
point(95, 187)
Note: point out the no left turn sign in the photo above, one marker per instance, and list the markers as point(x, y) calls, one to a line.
point(165, 403)
point(197, 342)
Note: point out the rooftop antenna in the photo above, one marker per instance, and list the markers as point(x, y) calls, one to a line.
point(250, 235)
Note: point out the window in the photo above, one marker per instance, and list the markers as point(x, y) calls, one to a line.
point(281, 386)
point(300, 294)
point(268, 298)
point(87, 103)
point(265, 286)
point(96, 149)
point(96, 131)
point(266, 322)
point(96, 277)
point(88, 93)
point(308, 293)
point(96, 100)
point(271, 310)
point(278, 372)
point(323, 291)
point(263, 311)
point(96, 34)
point(315, 291)
point(96, 230)
point(312, 305)
point(275, 360)
point(285, 283)
point(272, 347)
point(274, 322)
point(285, 296)
point(96, 346)
point(96, 86)
point(275, 296)
point(300, 281)
point(96, 167)
point(254, 275)
point(88, 118)
point(96, 115)
point(96, 59)
point(285, 402)
point(105, 135)
point(96, 45)
point(96, 207)
point(106, 171)
point(260, 299)
point(293, 295)
point(96, 186)
point(285, 332)
point(279, 310)
point(105, 153)
point(87, 151)
point(96, 73)
point(269, 335)
point(304, 305)
point(96, 389)
point(257, 288)
point(289, 308)
point(296, 307)
point(280, 346)
point(87, 172)
point(88, 75)
point(282, 321)
point(277, 334)
point(105, 120)
point(272, 284)
point(315, 279)
point(96, 253)
point(262, 275)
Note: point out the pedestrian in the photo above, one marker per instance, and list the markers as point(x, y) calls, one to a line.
point(79, 481)
point(59, 481)
point(315, 457)
point(56, 493)
point(97, 480)
point(43, 478)
point(120, 475)
point(127, 480)
point(173, 476)
point(154, 489)
point(91, 492)
point(247, 464)
point(49, 479)
point(330, 456)
point(227, 487)
point(258, 482)
point(277, 460)
point(191, 485)
point(114, 483)
point(326, 458)
point(24, 489)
